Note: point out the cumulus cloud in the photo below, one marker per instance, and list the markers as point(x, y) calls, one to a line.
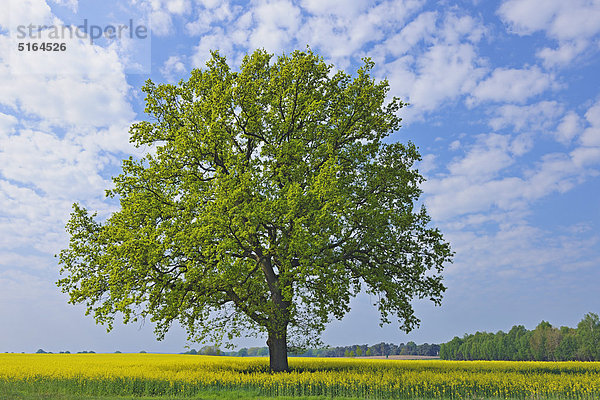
point(571, 23)
point(7, 123)
point(429, 57)
point(485, 179)
point(434, 60)
point(71, 4)
point(560, 19)
point(512, 85)
point(277, 23)
point(282, 25)
point(522, 250)
point(162, 24)
point(485, 159)
point(217, 40)
point(533, 117)
point(162, 12)
point(84, 86)
point(591, 135)
point(422, 28)
point(211, 14)
point(563, 54)
point(25, 12)
point(63, 125)
point(335, 7)
point(173, 68)
point(569, 126)
point(178, 6)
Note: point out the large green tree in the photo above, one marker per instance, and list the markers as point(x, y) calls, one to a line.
point(268, 200)
point(588, 334)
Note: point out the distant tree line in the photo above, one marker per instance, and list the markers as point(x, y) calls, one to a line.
point(544, 343)
point(42, 351)
point(380, 349)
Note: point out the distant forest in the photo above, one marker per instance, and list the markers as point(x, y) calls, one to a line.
point(380, 349)
point(544, 343)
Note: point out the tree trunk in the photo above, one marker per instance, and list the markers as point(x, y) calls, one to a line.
point(278, 352)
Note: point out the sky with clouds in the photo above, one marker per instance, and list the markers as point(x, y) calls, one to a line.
point(504, 106)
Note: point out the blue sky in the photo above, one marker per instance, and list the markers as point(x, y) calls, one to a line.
point(504, 106)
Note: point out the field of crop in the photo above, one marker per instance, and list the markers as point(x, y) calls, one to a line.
point(186, 376)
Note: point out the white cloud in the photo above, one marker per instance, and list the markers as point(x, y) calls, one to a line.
point(584, 157)
point(208, 17)
point(445, 71)
point(485, 159)
point(591, 135)
point(71, 4)
point(550, 118)
point(343, 32)
point(162, 12)
point(512, 85)
point(178, 6)
point(521, 144)
point(569, 126)
point(25, 12)
point(455, 145)
point(173, 68)
point(7, 123)
point(422, 28)
point(30, 219)
point(282, 25)
point(210, 3)
point(162, 24)
point(571, 23)
point(485, 178)
point(528, 16)
point(64, 124)
point(520, 249)
point(84, 86)
point(217, 40)
point(437, 62)
point(19, 285)
point(457, 29)
point(563, 54)
point(533, 117)
point(562, 20)
point(427, 164)
point(335, 7)
point(57, 167)
point(277, 23)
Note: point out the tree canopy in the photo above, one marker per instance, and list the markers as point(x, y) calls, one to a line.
point(268, 200)
point(544, 343)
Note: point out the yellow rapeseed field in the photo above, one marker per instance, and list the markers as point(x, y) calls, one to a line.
point(185, 375)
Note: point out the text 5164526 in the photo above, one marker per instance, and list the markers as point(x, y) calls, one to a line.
point(43, 46)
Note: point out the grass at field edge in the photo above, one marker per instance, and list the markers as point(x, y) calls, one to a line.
point(8, 393)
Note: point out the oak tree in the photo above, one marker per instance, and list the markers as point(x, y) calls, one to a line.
point(268, 199)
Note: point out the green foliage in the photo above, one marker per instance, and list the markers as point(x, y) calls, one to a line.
point(544, 343)
point(588, 334)
point(268, 200)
